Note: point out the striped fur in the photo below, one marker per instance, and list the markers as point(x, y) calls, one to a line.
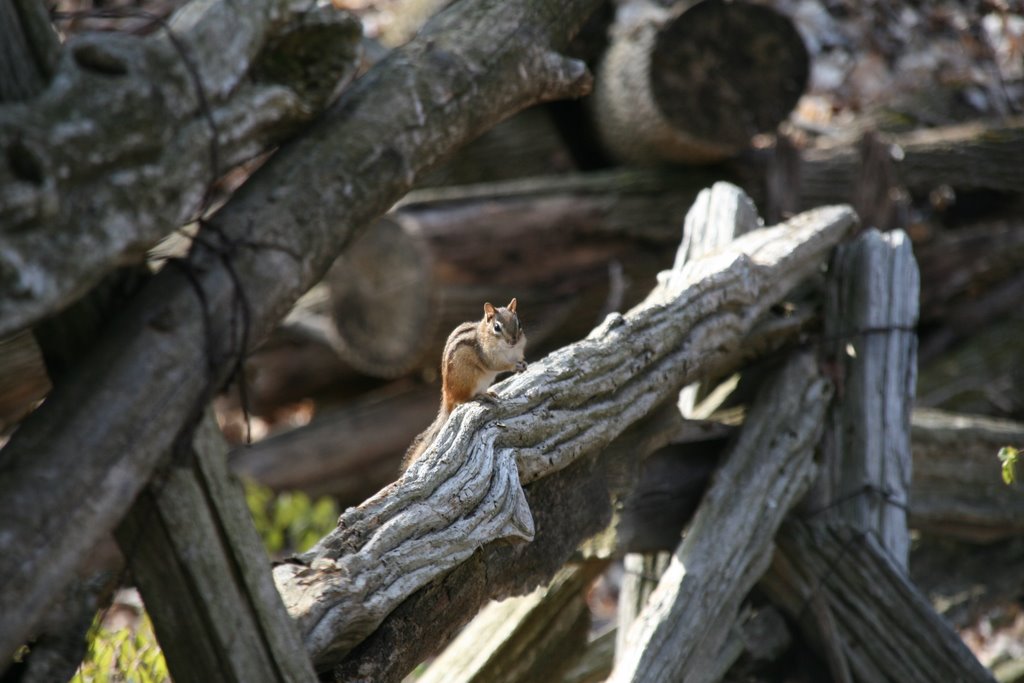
point(474, 355)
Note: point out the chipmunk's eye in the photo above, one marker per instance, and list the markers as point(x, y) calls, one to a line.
point(497, 327)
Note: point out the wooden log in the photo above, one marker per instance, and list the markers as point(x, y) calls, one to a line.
point(957, 491)
point(890, 631)
point(969, 156)
point(204, 575)
point(570, 403)
point(287, 226)
point(526, 145)
point(349, 454)
point(688, 617)
point(869, 327)
point(574, 248)
point(166, 132)
point(695, 86)
point(535, 637)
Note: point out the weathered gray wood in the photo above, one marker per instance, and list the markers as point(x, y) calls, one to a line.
point(353, 451)
point(688, 617)
point(956, 489)
point(869, 325)
point(574, 401)
point(694, 86)
point(530, 638)
point(205, 576)
point(890, 630)
point(83, 195)
point(286, 225)
point(570, 508)
point(718, 215)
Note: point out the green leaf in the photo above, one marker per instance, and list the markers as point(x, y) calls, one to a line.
point(1008, 455)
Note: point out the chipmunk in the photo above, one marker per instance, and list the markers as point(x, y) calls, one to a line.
point(473, 356)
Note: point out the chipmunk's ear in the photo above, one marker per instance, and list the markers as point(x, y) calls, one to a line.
point(488, 310)
point(512, 305)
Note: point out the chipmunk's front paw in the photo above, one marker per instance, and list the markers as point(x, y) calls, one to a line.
point(521, 366)
point(487, 397)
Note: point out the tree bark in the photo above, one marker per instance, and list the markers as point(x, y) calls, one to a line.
point(568, 507)
point(719, 216)
point(573, 402)
point(170, 113)
point(696, 86)
point(180, 336)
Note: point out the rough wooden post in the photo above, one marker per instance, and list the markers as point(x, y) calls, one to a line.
point(688, 618)
point(205, 577)
point(870, 330)
point(842, 574)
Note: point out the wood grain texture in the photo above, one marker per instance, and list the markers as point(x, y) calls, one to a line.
point(870, 327)
point(890, 630)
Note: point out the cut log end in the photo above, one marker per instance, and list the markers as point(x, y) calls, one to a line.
point(725, 72)
point(695, 87)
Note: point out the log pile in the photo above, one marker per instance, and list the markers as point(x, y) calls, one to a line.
point(736, 427)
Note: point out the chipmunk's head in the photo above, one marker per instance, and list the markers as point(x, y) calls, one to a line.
point(503, 323)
